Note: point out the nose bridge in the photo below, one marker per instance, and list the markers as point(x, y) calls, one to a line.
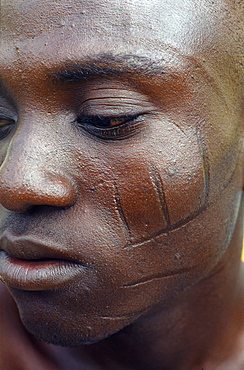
point(33, 173)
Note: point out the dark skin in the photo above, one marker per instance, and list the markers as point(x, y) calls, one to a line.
point(121, 182)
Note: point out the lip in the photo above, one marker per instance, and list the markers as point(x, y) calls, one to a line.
point(30, 265)
point(30, 248)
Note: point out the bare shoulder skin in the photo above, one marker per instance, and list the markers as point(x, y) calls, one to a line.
point(121, 185)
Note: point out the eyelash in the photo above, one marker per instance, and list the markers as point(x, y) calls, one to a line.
point(99, 125)
point(6, 126)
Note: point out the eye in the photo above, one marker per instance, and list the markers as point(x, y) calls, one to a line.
point(6, 126)
point(111, 128)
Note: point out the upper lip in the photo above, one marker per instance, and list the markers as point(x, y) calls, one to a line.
point(28, 248)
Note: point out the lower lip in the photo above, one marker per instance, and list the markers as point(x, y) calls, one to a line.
point(37, 275)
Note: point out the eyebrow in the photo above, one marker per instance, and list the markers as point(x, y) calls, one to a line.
point(108, 65)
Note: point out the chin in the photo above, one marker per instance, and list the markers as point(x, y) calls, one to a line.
point(55, 324)
point(65, 335)
point(52, 333)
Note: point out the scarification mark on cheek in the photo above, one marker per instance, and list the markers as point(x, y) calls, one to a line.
point(205, 160)
point(184, 222)
point(121, 213)
point(178, 127)
point(167, 190)
point(158, 276)
point(122, 317)
point(231, 176)
point(195, 204)
point(177, 226)
point(157, 182)
point(137, 200)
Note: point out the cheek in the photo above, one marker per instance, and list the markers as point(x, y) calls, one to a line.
point(162, 185)
point(130, 194)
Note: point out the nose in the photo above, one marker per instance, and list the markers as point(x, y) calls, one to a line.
point(31, 176)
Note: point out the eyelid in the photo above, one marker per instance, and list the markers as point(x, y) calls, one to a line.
point(124, 130)
point(113, 91)
point(8, 114)
point(5, 127)
point(91, 119)
point(114, 101)
point(6, 121)
point(115, 110)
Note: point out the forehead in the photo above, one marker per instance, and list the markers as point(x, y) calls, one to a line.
point(106, 15)
point(38, 35)
point(110, 24)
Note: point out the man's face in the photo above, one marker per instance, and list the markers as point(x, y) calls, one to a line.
point(120, 145)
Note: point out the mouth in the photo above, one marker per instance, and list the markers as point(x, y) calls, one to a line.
point(28, 265)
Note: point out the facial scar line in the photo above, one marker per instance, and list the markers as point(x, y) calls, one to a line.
point(157, 182)
point(206, 166)
point(232, 174)
point(120, 212)
point(166, 230)
point(158, 276)
point(192, 216)
point(130, 314)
